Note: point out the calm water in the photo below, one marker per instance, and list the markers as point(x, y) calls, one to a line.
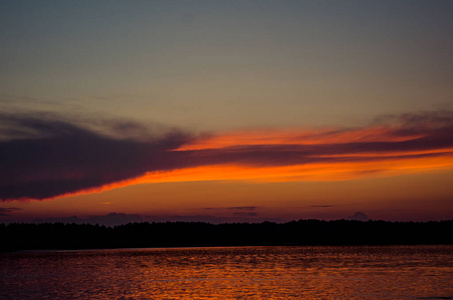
point(394, 272)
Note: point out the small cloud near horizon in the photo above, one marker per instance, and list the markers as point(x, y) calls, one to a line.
point(5, 211)
point(233, 208)
point(358, 216)
point(248, 214)
point(242, 207)
point(111, 219)
point(212, 219)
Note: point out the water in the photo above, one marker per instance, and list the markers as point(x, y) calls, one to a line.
point(390, 272)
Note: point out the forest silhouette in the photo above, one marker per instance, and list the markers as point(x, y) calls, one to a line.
point(22, 236)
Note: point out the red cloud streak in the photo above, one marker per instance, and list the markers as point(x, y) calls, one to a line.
point(68, 159)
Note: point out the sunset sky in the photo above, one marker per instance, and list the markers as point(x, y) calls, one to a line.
point(226, 111)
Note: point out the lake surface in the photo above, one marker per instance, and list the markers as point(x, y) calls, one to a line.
point(389, 272)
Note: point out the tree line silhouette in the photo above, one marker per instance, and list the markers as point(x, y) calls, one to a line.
point(21, 236)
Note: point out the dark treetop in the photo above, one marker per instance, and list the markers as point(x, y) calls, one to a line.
point(193, 234)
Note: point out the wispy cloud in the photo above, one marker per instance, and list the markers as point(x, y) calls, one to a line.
point(243, 207)
point(45, 156)
point(233, 208)
point(111, 219)
point(6, 211)
point(248, 214)
point(253, 218)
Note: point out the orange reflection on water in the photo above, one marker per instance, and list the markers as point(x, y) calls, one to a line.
point(382, 272)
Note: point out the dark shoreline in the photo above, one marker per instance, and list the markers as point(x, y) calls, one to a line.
point(50, 236)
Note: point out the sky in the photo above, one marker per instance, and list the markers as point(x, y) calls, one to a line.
point(225, 111)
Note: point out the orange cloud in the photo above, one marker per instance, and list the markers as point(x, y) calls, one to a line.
point(411, 144)
point(349, 166)
point(313, 172)
point(297, 137)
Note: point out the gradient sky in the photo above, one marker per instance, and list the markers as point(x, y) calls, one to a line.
point(226, 110)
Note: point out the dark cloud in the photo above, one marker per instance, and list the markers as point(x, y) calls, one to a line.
point(406, 133)
point(322, 206)
point(425, 119)
point(187, 218)
point(248, 214)
point(211, 219)
point(286, 155)
point(52, 157)
point(112, 219)
point(358, 216)
point(243, 207)
point(237, 211)
point(233, 208)
point(44, 156)
point(5, 211)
